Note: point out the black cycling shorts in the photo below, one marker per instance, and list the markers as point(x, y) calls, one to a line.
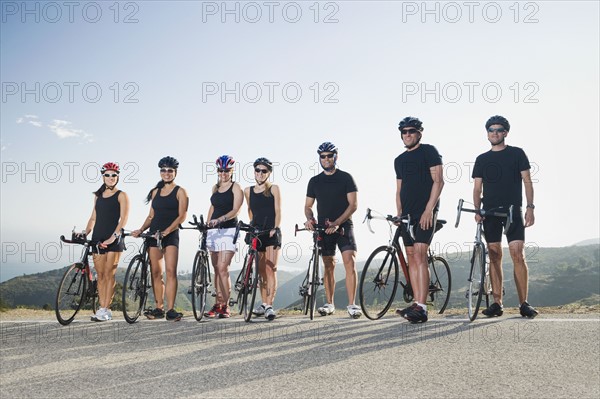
point(344, 242)
point(117, 246)
point(265, 241)
point(171, 239)
point(494, 225)
point(421, 236)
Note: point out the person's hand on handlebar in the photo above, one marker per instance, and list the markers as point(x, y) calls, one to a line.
point(310, 224)
point(331, 227)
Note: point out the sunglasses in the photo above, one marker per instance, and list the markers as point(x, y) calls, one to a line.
point(499, 130)
point(323, 156)
point(224, 170)
point(409, 131)
point(167, 170)
point(263, 171)
point(110, 175)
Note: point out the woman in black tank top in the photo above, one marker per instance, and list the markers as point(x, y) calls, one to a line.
point(225, 203)
point(264, 210)
point(168, 210)
point(111, 208)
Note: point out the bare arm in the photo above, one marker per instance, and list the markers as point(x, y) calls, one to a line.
point(529, 216)
point(277, 197)
point(247, 197)
point(477, 190)
point(308, 212)
point(398, 202)
point(437, 175)
point(92, 221)
point(352, 207)
point(149, 218)
point(182, 212)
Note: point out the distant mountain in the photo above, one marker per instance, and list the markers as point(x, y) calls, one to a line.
point(591, 241)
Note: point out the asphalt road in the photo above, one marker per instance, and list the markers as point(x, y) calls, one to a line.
point(553, 356)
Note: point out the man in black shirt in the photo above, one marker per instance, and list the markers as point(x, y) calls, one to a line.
point(419, 183)
point(499, 174)
point(335, 193)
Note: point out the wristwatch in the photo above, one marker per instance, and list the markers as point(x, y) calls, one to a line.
point(531, 206)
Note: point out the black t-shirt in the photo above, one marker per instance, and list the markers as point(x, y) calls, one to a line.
point(413, 168)
point(501, 175)
point(331, 191)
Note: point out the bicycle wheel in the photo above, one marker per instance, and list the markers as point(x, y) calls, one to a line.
point(313, 283)
point(251, 287)
point(71, 294)
point(134, 289)
point(440, 283)
point(304, 292)
point(476, 281)
point(240, 287)
point(199, 285)
point(378, 282)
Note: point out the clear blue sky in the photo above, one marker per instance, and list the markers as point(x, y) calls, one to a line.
point(80, 89)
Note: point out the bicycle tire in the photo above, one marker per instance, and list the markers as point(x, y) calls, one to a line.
point(71, 293)
point(239, 286)
point(476, 281)
point(440, 283)
point(314, 284)
point(378, 282)
point(134, 289)
point(199, 285)
point(304, 290)
point(251, 288)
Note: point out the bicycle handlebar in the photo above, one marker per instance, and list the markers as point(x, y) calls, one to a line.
point(389, 218)
point(318, 228)
point(253, 230)
point(483, 213)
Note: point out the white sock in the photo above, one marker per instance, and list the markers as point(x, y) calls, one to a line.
point(423, 305)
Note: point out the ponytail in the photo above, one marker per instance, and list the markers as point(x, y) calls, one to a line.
point(99, 192)
point(159, 185)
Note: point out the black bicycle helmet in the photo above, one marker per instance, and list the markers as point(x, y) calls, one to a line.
point(497, 120)
point(327, 147)
point(409, 121)
point(264, 161)
point(168, 162)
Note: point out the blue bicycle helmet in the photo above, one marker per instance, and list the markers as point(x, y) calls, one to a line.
point(225, 162)
point(327, 147)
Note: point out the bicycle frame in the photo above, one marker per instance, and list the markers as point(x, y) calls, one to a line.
point(485, 283)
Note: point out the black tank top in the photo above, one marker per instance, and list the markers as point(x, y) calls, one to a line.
point(166, 210)
point(263, 210)
point(223, 204)
point(108, 213)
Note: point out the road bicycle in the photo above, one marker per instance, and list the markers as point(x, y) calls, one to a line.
point(247, 281)
point(380, 277)
point(479, 282)
point(314, 274)
point(79, 287)
point(201, 281)
point(137, 284)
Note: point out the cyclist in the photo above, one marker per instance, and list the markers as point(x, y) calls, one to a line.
point(419, 183)
point(169, 203)
point(336, 195)
point(226, 201)
point(498, 173)
point(109, 216)
point(264, 211)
